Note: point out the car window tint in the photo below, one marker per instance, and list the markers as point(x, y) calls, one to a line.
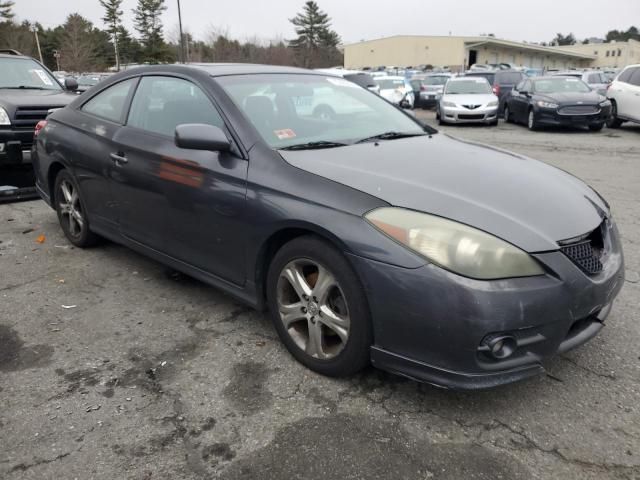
point(626, 75)
point(635, 78)
point(110, 103)
point(162, 103)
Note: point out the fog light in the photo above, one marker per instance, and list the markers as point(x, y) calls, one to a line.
point(2, 147)
point(503, 346)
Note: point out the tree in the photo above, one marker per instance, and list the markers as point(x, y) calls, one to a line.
point(148, 23)
point(5, 10)
point(77, 44)
point(113, 20)
point(316, 43)
point(561, 39)
point(632, 33)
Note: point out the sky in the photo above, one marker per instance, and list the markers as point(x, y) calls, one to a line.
point(356, 20)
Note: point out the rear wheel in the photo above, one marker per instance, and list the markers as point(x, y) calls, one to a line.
point(613, 121)
point(507, 114)
point(72, 214)
point(318, 307)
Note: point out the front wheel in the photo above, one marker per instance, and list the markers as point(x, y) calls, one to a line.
point(71, 211)
point(319, 308)
point(532, 121)
point(613, 121)
point(507, 114)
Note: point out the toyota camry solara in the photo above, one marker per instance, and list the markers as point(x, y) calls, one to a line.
point(369, 237)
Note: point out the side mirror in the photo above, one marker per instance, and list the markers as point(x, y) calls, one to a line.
point(71, 84)
point(199, 136)
point(525, 93)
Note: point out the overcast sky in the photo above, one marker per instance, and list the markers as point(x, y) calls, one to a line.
point(366, 19)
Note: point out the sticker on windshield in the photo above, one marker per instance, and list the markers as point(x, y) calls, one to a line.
point(43, 76)
point(285, 134)
point(341, 82)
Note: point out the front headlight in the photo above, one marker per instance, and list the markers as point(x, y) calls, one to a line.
point(4, 117)
point(493, 103)
point(543, 104)
point(448, 104)
point(454, 246)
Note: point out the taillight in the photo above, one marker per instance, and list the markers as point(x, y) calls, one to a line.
point(496, 89)
point(39, 126)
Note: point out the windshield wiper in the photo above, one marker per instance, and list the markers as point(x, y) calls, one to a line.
point(314, 145)
point(24, 87)
point(390, 136)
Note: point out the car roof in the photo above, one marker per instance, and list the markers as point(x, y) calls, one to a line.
point(11, 55)
point(222, 69)
point(461, 79)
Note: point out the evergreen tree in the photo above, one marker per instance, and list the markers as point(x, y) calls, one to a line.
point(148, 23)
point(316, 41)
point(5, 10)
point(113, 20)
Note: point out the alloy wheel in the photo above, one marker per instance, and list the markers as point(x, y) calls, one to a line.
point(70, 208)
point(313, 308)
point(531, 123)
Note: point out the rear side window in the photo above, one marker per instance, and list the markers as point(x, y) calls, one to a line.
point(509, 78)
point(626, 75)
point(111, 103)
point(162, 103)
point(635, 78)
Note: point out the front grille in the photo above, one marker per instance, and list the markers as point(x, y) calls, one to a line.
point(471, 107)
point(587, 253)
point(579, 110)
point(27, 117)
point(470, 117)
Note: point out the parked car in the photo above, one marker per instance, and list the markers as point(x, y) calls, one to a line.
point(28, 91)
point(565, 101)
point(624, 94)
point(397, 90)
point(428, 88)
point(467, 100)
point(595, 79)
point(364, 79)
point(85, 82)
point(502, 82)
point(368, 238)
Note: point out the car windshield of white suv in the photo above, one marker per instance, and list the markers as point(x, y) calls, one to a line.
point(560, 85)
point(314, 111)
point(466, 87)
point(23, 73)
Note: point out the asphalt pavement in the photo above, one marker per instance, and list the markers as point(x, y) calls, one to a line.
point(113, 367)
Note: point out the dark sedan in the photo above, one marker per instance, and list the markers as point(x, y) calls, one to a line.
point(561, 101)
point(368, 236)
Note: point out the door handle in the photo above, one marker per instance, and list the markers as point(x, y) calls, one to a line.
point(118, 158)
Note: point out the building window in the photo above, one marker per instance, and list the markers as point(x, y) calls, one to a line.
point(607, 53)
point(619, 52)
point(595, 52)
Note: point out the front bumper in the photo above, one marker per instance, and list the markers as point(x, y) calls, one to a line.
point(549, 116)
point(430, 324)
point(464, 115)
point(429, 98)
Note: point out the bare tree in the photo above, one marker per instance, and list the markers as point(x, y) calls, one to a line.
point(78, 45)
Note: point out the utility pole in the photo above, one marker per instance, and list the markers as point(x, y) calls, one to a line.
point(35, 31)
point(182, 54)
point(56, 55)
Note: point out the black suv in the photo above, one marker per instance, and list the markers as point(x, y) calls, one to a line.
point(28, 91)
point(502, 82)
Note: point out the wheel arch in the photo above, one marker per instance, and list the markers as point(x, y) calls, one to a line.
point(52, 173)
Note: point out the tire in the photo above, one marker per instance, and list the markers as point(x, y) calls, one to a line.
point(597, 127)
point(339, 300)
point(532, 122)
point(507, 114)
point(324, 112)
point(613, 121)
point(71, 211)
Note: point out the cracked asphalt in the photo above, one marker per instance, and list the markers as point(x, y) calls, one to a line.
point(153, 375)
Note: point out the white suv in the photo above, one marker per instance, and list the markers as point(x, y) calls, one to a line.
point(624, 94)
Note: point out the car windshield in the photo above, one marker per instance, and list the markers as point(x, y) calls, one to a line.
point(560, 85)
point(297, 109)
point(435, 80)
point(25, 73)
point(388, 84)
point(468, 86)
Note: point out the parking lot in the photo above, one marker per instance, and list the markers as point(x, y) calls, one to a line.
point(113, 367)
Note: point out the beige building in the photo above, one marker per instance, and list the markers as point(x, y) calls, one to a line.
point(458, 53)
point(611, 54)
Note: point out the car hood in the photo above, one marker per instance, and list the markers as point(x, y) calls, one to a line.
point(572, 98)
point(470, 99)
point(525, 202)
point(11, 99)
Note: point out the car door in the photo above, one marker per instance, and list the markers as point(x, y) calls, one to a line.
point(632, 100)
point(623, 94)
point(101, 118)
point(520, 101)
point(188, 204)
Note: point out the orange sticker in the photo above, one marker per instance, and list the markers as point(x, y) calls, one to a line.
point(285, 134)
point(41, 239)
